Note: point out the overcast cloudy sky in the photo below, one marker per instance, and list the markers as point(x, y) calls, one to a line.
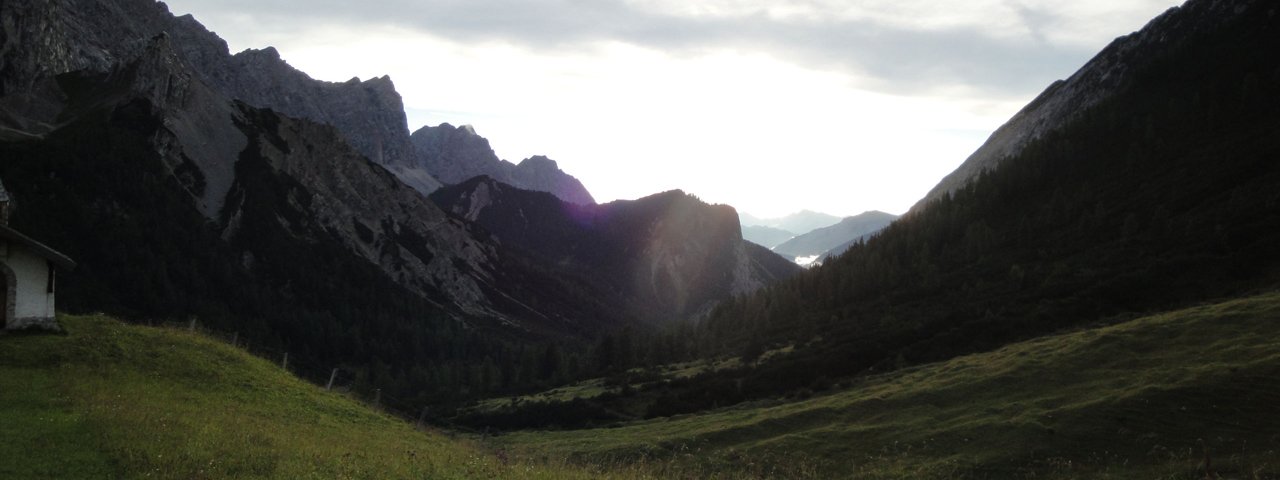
point(770, 106)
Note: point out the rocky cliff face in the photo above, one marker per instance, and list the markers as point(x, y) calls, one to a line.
point(43, 38)
point(456, 154)
point(1108, 73)
point(665, 257)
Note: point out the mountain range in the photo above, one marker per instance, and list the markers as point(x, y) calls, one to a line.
point(190, 182)
point(73, 35)
point(800, 222)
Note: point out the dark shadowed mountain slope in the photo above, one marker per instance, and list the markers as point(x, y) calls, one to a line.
point(1161, 195)
point(668, 256)
point(1112, 71)
point(822, 240)
point(767, 237)
point(456, 154)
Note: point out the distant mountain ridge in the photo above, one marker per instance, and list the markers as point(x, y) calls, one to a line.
point(767, 237)
point(456, 154)
point(822, 240)
point(668, 256)
point(800, 222)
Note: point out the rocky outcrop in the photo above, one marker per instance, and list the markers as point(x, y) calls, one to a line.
point(664, 257)
point(456, 154)
point(1108, 73)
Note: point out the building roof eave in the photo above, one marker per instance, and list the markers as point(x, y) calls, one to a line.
point(57, 258)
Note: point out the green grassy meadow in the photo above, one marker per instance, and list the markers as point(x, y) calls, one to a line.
point(1156, 397)
point(110, 400)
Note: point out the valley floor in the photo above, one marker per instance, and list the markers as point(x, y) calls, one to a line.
point(1187, 394)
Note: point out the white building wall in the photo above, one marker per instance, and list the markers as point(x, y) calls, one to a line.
point(33, 303)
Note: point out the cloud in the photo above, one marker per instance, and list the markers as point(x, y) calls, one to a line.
point(900, 47)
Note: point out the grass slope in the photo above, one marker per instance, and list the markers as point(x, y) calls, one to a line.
point(1142, 399)
point(110, 400)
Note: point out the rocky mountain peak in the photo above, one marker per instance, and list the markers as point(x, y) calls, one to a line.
point(539, 162)
point(456, 154)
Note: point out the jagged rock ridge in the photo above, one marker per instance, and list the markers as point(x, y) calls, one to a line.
point(45, 38)
point(456, 154)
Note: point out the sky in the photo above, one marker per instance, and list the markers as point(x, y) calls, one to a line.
point(769, 106)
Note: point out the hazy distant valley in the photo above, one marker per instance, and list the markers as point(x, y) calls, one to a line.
point(1089, 295)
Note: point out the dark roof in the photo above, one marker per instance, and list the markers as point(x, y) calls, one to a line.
point(41, 249)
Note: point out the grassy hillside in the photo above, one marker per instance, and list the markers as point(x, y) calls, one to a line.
point(1142, 399)
point(110, 400)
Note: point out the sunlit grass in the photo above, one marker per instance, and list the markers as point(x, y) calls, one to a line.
point(115, 401)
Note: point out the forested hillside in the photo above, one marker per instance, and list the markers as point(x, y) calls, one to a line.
point(1163, 195)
